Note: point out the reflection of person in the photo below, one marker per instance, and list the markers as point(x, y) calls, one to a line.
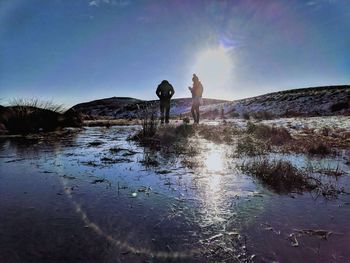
point(164, 92)
point(197, 91)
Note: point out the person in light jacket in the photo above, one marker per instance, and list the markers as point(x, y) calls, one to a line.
point(197, 92)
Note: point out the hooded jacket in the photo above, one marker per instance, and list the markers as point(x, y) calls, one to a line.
point(165, 90)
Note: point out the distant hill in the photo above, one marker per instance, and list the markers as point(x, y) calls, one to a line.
point(113, 106)
point(315, 101)
point(121, 108)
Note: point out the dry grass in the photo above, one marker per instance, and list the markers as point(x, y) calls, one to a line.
point(170, 134)
point(174, 135)
point(328, 170)
point(149, 125)
point(31, 116)
point(314, 141)
point(281, 176)
point(328, 190)
point(36, 103)
point(149, 160)
point(218, 133)
point(149, 128)
point(263, 115)
point(246, 115)
point(274, 135)
point(316, 144)
point(168, 138)
point(320, 142)
point(340, 106)
point(25, 116)
point(250, 146)
point(319, 149)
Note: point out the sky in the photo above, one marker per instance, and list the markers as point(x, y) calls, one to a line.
point(72, 51)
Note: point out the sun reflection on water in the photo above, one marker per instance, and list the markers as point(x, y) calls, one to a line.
point(219, 186)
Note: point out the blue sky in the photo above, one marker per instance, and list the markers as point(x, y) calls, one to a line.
point(75, 51)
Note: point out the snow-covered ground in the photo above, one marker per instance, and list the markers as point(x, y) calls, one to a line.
point(322, 101)
point(297, 123)
point(315, 123)
point(305, 102)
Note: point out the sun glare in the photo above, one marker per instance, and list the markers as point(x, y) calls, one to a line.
point(214, 68)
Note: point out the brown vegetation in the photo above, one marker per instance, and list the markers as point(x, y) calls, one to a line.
point(340, 106)
point(256, 140)
point(218, 133)
point(280, 175)
point(263, 115)
point(32, 116)
point(274, 135)
point(251, 146)
point(320, 149)
point(322, 142)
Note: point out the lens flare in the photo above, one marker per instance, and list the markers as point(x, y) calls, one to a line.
point(214, 68)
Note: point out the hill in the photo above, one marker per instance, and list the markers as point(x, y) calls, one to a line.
point(314, 101)
point(122, 108)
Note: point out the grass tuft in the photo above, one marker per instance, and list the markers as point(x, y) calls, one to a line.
point(281, 176)
point(149, 127)
point(246, 115)
point(251, 147)
point(275, 135)
point(36, 103)
point(263, 115)
point(319, 149)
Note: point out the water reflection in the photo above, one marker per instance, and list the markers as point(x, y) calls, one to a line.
point(214, 159)
point(218, 186)
point(178, 210)
point(34, 146)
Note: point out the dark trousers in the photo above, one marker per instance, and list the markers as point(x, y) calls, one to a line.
point(195, 113)
point(164, 110)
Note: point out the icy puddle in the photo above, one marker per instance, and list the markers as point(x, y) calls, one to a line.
point(94, 196)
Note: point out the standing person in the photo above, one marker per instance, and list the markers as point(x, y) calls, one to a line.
point(197, 91)
point(164, 92)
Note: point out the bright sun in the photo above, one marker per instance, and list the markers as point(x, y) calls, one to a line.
point(214, 69)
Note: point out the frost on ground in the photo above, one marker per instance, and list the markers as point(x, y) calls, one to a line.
point(221, 191)
point(320, 101)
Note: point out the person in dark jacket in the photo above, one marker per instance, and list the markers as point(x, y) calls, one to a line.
point(197, 92)
point(164, 92)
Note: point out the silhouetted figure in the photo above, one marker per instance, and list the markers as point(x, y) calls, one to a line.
point(164, 92)
point(197, 91)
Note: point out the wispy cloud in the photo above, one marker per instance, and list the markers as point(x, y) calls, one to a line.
point(93, 3)
point(118, 3)
point(310, 3)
